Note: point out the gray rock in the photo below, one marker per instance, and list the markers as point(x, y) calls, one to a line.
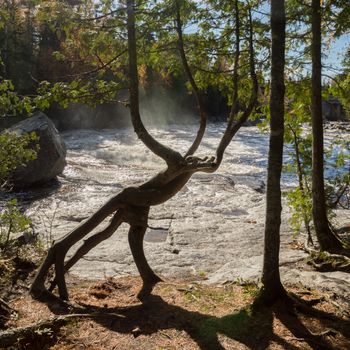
point(51, 157)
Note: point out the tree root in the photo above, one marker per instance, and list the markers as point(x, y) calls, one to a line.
point(294, 306)
point(329, 331)
point(5, 308)
point(28, 333)
point(6, 312)
point(325, 261)
point(48, 327)
point(306, 308)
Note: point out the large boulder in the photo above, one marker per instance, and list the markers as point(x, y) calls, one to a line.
point(51, 157)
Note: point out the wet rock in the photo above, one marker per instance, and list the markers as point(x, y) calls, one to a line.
point(51, 157)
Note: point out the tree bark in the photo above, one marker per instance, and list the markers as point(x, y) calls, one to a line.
point(5, 312)
point(234, 124)
point(272, 286)
point(326, 238)
point(136, 234)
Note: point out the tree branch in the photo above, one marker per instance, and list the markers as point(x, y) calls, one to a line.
point(196, 91)
point(233, 126)
point(170, 156)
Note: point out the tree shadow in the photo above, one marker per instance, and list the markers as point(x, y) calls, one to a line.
point(253, 329)
point(317, 340)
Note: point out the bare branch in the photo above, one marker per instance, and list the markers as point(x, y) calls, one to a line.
point(234, 126)
point(95, 70)
point(97, 18)
point(196, 91)
point(170, 156)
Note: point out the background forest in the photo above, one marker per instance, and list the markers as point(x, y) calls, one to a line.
point(57, 52)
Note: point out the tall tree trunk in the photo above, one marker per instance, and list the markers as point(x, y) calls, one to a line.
point(325, 236)
point(272, 286)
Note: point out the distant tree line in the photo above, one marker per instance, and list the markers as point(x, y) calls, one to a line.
point(74, 51)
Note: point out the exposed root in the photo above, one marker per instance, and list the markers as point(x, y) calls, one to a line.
point(136, 216)
point(5, 308)
point(292, 306)
point(330, 332)
point(324, 261)
point(37, 289)
point(306, 308)
point(29, 333)
point(41, 329)
point(147, 289)
point(6, 312)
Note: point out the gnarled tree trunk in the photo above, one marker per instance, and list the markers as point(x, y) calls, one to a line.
point(132, 204)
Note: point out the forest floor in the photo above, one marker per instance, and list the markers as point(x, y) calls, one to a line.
point(183, 315)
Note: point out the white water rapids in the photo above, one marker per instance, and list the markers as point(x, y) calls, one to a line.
point(213, 227)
